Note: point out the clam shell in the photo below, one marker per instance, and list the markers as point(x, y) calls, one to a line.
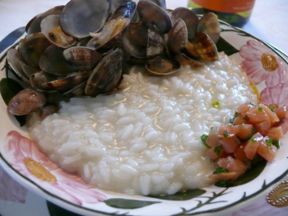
point(81, 17)
point(51, 28)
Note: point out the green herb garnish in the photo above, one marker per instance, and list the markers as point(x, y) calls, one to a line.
point(216, 104)
point(225, 134)
point(269, 142)
point(276, 143)
point(260, 109)
point(204, 140)
point(218, 149)
point(252, 140)
point(220, 170)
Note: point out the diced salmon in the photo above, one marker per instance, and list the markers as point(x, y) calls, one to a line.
point(281, 112)
point(230, 143)
point(239, 120)
point(227, 130)
point(268, 152)
point(244, 108)
point(272, 115)
point(275, 133)
point(212, 139)
point(232, 165)
point(256, 115)
point(244, 131)
point(263, 127)
point(240, 154)
point(224, 176)
point(252, 144)
point(284, 125)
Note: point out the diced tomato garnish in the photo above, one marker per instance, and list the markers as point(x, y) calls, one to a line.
point(275, 133)
point(252, 144)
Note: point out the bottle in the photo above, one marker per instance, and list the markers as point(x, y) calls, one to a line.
point(235, 12)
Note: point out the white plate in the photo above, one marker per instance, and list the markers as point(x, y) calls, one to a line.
point(22, 160)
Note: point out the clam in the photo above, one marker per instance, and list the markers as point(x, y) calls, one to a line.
point(209, 24)
point(34, 24)
point(154, 16)
point(19, 67)
point(25, 102)
point(106, 75)
point(114, 27)
point(189, 17)
point(186, 60)
point(32, 47)
point(162, 66)
point(52, 61)
point(178, 36)
point(81, 17)
point(202, 47)
point(82, 56)
point(134, 40)
point(14, 61)
point(46, 82)
point(51, 28)
point(155, 44)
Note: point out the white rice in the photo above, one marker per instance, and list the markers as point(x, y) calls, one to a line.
point(145, 139)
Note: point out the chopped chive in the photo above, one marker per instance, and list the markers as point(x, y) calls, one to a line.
point(260, 109)
point(225, 134)
point(251, 104)
point(269, 142)
point(216, 104)
point(276, 143)
point(218, 149)
point(204, 140)
point(271, 108)
point(236, 114)
point(252, 140)
point(246, 118)
point(220, 170)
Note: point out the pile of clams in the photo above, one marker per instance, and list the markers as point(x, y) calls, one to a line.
point(84, 47)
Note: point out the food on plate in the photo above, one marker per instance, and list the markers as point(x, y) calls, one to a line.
point(122, 94)
point(254, 130)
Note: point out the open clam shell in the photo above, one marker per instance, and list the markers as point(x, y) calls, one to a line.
point(34, 24)
point(51, 28)
point(114, 27)
point(32, 47)
point(189, 17)
point(162, 66)
point(155, 17)
point(209, 24)
point(80, 17)
point(106, 75)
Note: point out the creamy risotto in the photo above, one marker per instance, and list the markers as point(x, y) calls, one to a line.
point(145, 139)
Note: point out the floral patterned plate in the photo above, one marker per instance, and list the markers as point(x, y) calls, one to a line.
point(267, 69)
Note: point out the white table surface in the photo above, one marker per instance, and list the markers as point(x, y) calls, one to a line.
point(269, 22)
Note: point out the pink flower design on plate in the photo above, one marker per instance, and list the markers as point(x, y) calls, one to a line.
point(24, 155)
point(261, 64)
point(275, 94)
